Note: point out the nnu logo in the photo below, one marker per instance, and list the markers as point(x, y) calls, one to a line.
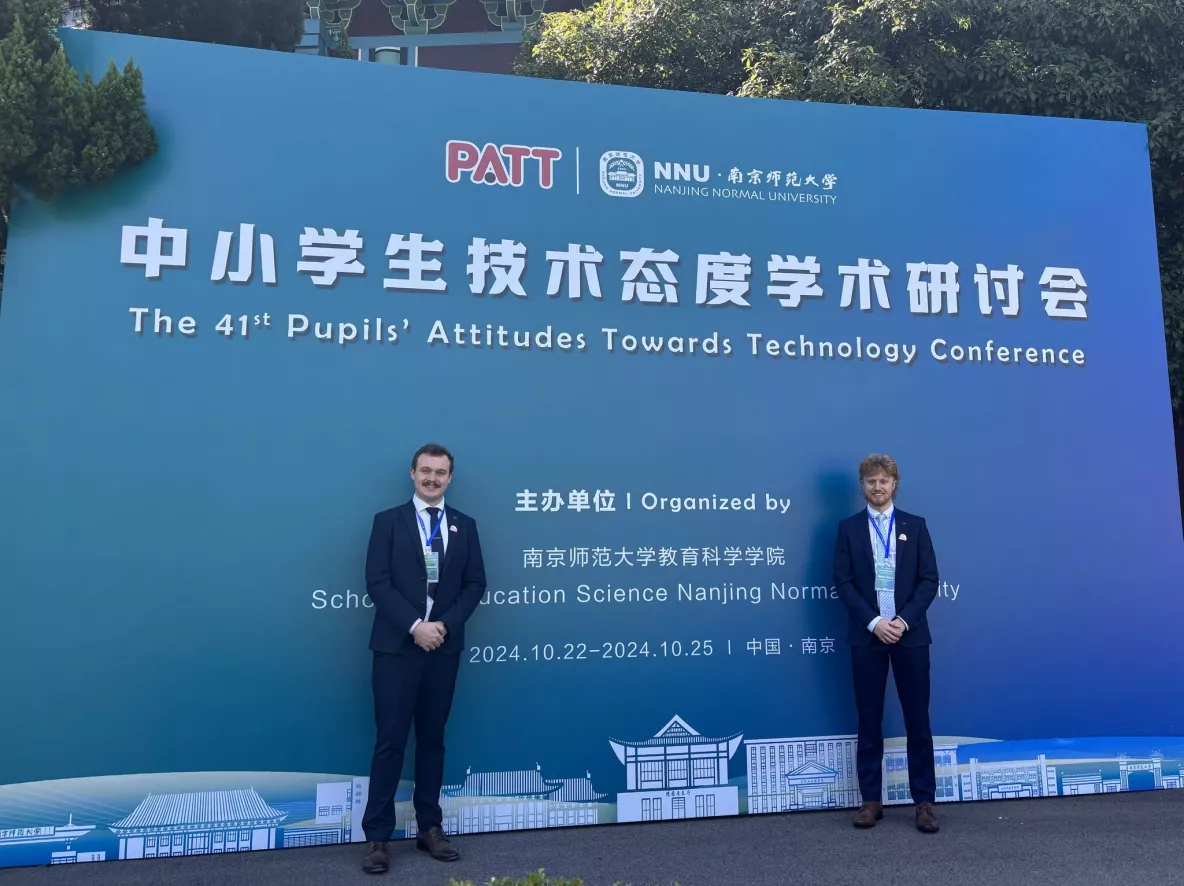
point(499, 164)
point(621, 174)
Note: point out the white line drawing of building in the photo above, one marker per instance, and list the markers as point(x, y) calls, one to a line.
point(786, 774)
point(332, 821)
point(358, 798)
point(514, 800)
point(819, 772)
point(677, 774)
point(71, 857)
point(1009, 779)
point(1088, 783)
point(1127, 767)
point(48, 834)
point(1093, 782)
point(1073, 784)
point(896, 774)
point(198, 823)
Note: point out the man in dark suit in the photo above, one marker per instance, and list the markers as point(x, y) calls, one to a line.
point(886, 575)
point(425, 575)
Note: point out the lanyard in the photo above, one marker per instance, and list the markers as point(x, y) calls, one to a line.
point(431, 537)
point(887, 542)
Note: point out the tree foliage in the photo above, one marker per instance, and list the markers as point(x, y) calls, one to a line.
point(1102, 59)
point(58, 130)
point(342, 49)
point(693, 45)
point(258, 24)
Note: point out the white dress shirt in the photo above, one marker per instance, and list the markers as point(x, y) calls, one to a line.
point(425, 523)
point(878, 548)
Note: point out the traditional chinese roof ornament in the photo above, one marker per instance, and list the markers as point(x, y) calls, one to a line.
point(418, 16)
point(334, 14)
point(514, 15)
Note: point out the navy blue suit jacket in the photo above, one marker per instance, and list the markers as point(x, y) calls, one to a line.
point(916, 577)
point(396, 579)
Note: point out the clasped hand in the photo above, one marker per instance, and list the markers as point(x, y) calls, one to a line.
point(889, 631)
point(428, 635)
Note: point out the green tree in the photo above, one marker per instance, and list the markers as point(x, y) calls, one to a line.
point(257, 24)
point(58, 130)
point(691, 45)
point(1102, 59)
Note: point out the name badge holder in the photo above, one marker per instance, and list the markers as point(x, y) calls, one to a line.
point(431, 559)
point(885, 570)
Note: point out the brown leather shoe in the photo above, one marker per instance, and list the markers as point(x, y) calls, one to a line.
point(926, 820)
point(433, 840)
point(869, 813)
point(376, 861)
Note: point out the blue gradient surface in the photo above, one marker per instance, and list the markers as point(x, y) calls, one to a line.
point(172, 504)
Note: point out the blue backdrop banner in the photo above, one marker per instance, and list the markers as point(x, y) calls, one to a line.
point(659, 331)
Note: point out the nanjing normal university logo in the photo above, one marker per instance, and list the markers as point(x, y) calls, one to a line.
point(621, 174)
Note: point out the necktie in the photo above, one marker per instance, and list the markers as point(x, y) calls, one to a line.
point(886, 597)
point(438, 541)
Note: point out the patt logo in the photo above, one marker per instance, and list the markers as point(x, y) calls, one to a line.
point(622, 174)
point(499, 164)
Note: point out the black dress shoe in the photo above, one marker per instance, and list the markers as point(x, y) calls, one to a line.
point(433, 840)
point(376, 861)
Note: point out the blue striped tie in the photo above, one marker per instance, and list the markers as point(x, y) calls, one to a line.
point(886, 598)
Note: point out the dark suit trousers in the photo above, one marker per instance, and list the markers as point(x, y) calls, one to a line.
point(415, 686)
point(910, 668)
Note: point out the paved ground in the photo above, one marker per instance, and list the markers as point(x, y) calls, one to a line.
point(1117, 840)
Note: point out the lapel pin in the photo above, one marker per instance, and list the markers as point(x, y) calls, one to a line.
point(902, 537)
point(452, 529)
